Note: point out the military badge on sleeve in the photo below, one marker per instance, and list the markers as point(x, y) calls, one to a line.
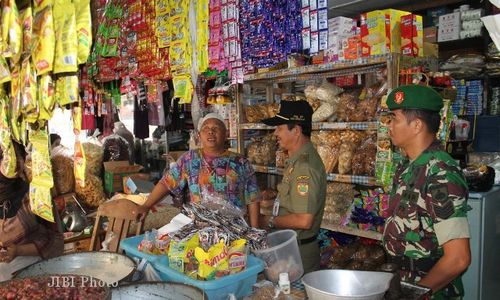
point(303, 185)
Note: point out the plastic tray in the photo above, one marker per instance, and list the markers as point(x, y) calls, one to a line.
point(239, 284)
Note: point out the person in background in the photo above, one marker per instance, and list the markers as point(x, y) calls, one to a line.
point(122, 131)
point(302, 192)
point(214, 168)
point(55, 140)
point(24, 237)
point(427, 232)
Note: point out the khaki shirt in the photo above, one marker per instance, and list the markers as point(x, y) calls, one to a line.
point(303, 188)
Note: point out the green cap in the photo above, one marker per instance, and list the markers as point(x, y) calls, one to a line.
point(414, 97)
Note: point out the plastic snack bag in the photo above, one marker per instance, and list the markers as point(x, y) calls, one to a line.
point(80, 163)
point(46, 99)
point(41, 4)
point(15, 34)
point(214, 263)
point(4, 71)
point(67, 90)
point(27, 27)
point(43, 41)
point(83, 29)
point(65, 59)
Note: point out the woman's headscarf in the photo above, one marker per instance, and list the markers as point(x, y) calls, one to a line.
point(13, 190)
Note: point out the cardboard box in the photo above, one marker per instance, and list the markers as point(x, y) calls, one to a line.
point(449, 27)
point(352, 47)
point(430, 34)
point(114, 171)
point(137, 184)
point(412, 35)
point(381, 32)
point(431, 50)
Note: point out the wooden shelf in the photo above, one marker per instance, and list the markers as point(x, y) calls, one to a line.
point(353, 231)
point(354, 179)
point(320, 126)
point(357, 66)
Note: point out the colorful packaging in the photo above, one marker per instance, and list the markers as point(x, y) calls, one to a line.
point(41, 4)
point(412, 35)
point(83, 29)
point(15, 34)
point(4, 71)
point(65, 59)
point(80, 163)
point(214, 263)
point(27, 27)
point(67, 90)
point(43, 47)
point(381, 32)
point(46, 99)
point(237, 256)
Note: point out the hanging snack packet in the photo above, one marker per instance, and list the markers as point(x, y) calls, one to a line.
point(4, 30)
point(183, 88)
point(27, 27)
point(65, 59)
point(41, 202)
point(9, 161)
point(43, 41)
point(15, 34)
point(29, 105)
point(41, 4)
point(46, 99)
point(67, 90)
point(80, 163)
point(77, 117)
point(4, 71)
point(83, 29)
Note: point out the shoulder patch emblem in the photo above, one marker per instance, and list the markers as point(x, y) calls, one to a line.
point(303, 185)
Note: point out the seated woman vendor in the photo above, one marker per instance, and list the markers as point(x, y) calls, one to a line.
point(212, 168)
point(24, 237)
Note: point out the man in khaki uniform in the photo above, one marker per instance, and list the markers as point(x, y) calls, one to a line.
point(301, 194)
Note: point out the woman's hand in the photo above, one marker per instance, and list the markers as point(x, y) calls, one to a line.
point(8, 254)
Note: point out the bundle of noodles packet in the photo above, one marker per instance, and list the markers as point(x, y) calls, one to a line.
point(4, 29)
point(83, 29)
point(178, 252)
point(43, 41)
point(65, 59)
point(77, 118)
point(41, 202)
point(183, 88)
point(214, 263)
point(9, 161)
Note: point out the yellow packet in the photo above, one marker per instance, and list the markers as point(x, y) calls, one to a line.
point(15, 34)
point(41, 4)
point(46, 99)
point(77, 118)
point(43, 41)
point(65, 59)
point(4, 71)
point(41, 202)
point(15, 92)
point(80, 163)
point(67, 90)
point(8, 165)
point(28, 91)
point(237, 256)
point(83, 29)
point(4, 30)
point(40, 159)
point(183, 88)
point(214, 263)
point(27, 27)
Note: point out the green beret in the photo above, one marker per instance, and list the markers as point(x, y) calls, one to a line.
point(414, 97)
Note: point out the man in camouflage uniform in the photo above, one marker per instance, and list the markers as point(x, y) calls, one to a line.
point(427, 232)
point(302, 191)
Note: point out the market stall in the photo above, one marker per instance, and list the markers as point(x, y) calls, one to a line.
point(125, 83)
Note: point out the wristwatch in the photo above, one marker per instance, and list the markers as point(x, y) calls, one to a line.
point(270, 223)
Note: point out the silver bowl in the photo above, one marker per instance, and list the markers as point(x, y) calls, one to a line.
point(346, 284)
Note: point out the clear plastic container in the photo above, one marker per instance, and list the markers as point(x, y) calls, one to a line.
point(282, 256)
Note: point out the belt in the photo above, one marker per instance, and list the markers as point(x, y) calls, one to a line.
point(414, 264)
point(308, 240)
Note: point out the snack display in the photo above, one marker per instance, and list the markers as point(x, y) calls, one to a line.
point(62, 168)
point(92, 193)
point(263, 150)
point(259, 112)
point(94, 155)
point(363, 161)
point(338, 202)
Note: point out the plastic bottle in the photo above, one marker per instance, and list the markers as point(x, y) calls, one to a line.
point(284, 283)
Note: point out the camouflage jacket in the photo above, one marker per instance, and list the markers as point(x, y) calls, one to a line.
point(427, 208)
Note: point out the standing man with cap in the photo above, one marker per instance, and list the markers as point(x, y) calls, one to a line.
point(301, 194)
point(427, 232)
point(212, 169)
